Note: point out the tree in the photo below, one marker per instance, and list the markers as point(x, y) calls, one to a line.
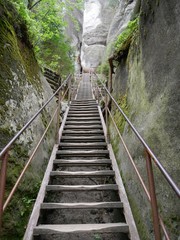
point(46, 25)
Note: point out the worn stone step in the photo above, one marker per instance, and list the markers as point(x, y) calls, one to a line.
point(98, 162)
point(83, 138)
point(82, 153)
point(83, 103)
point(85, 132)
point(81, 109)
point(84, 112)
point(79, 127)
point(94, 145)
point(82, 122)
point(88, 105)
point(48, 229)
point(94, 118)
point(83, 100)
point(82, 173)
point(104, 187)
point(79, 115)
point(82, 205)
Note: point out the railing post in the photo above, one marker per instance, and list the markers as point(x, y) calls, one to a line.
point(69, 92)
point(155, 215)
point(58, 116)
point(106, 117)
point(3, 172)
point(97, 89)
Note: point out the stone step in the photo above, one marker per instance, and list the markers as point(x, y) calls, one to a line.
point(82, 122)
point(81, 109)
point(82, 138)
point(83, 173)
point(90, 105)
point(82, 118)
point(79, 115)
point(85, 132)
point(104, 187)
point(82, 205)
point(81, 127)
point(48, 229)
point(83, 101)
point(94, 145)
point(82, 153)
point(98, 162)
point(84, 112)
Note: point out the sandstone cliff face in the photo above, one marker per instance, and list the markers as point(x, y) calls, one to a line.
point(125, 12)
point(74, 33)
point(23, 90)
point(148, 79)
point(98, 15)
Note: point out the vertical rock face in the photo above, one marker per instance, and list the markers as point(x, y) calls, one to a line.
point(124, 13)
point(74, 33)
point(23, 91)
point(148, 78)
point(98, 15)
point(103, 22)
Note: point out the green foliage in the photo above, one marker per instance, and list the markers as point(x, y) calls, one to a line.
point(97, 237)
point(46, 26)
point(125, 37)
point(103, 69)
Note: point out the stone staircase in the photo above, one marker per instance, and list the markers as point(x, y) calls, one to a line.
point(81, 200)
point(53, 79)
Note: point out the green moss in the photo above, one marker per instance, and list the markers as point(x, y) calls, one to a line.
point(118, 117)
point(142, 229)
point(103, 69)
point(18, 67)
point(5, 136)
point(18, 211)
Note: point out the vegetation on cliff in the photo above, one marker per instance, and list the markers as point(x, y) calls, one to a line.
point(124, 39)
point(46, 25)
point(22, 93)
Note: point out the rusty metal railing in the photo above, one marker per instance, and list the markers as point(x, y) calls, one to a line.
point(62, 91)
point(150, 156)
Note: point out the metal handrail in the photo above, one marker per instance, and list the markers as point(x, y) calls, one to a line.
point(4, 153)
point(157, 162)
point(137, 172)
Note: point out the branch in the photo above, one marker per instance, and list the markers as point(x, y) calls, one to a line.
point(35, 4)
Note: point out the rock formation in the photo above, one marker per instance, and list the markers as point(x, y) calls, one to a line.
point(23, 90)
point(98, 15)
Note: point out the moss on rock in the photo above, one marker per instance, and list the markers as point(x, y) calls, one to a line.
point(22, 93)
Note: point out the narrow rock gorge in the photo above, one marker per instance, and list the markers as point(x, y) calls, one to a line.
point(133, 46)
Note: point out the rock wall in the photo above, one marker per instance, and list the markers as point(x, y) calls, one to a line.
point(125, 12)
point(146, 83)
point(74, 33)
point(23, 90)
point(98, 15)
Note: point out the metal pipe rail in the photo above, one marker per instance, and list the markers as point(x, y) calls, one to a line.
point(5, 152)
point(151, 195)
